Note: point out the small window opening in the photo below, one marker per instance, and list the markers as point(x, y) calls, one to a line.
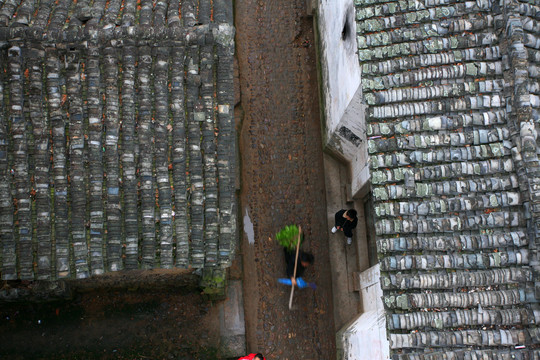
point(346, 32)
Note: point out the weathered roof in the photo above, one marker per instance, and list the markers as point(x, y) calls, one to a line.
point(117, 146)
point(452, 89)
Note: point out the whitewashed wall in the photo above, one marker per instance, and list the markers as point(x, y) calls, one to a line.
point(340, 66)
point(365, 337)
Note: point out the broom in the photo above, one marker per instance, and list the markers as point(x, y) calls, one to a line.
point(295, 263)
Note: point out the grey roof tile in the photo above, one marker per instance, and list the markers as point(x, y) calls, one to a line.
point(453, 169)
point(127, 185)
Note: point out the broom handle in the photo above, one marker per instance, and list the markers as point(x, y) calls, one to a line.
point(295, 263)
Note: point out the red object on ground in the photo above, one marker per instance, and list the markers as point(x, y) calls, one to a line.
point(249, 357)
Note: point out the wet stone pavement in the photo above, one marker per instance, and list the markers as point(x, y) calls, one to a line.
point(282, 180)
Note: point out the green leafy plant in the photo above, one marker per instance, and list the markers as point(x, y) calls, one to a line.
point(288, 236)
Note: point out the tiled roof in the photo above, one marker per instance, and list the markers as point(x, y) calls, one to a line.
point(117, 146)
point(452, 93)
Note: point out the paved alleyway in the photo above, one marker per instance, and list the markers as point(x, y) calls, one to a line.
point(282, 178)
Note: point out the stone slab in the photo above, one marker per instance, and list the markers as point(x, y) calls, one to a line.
point(231, 322)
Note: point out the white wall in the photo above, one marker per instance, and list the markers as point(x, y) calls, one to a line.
point(345, 128)
point(340, 67)
point(365, 337)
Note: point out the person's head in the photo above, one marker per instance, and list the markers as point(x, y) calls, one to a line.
point(350, 214)
point(306, 259)
point(258, 356)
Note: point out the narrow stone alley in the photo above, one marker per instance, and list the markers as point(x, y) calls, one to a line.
point(282, 178)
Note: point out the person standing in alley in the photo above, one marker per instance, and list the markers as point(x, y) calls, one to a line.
point(346, 221)
point(305, 259)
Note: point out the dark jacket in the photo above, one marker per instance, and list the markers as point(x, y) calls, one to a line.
point(289, 259)
point(344, 223)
